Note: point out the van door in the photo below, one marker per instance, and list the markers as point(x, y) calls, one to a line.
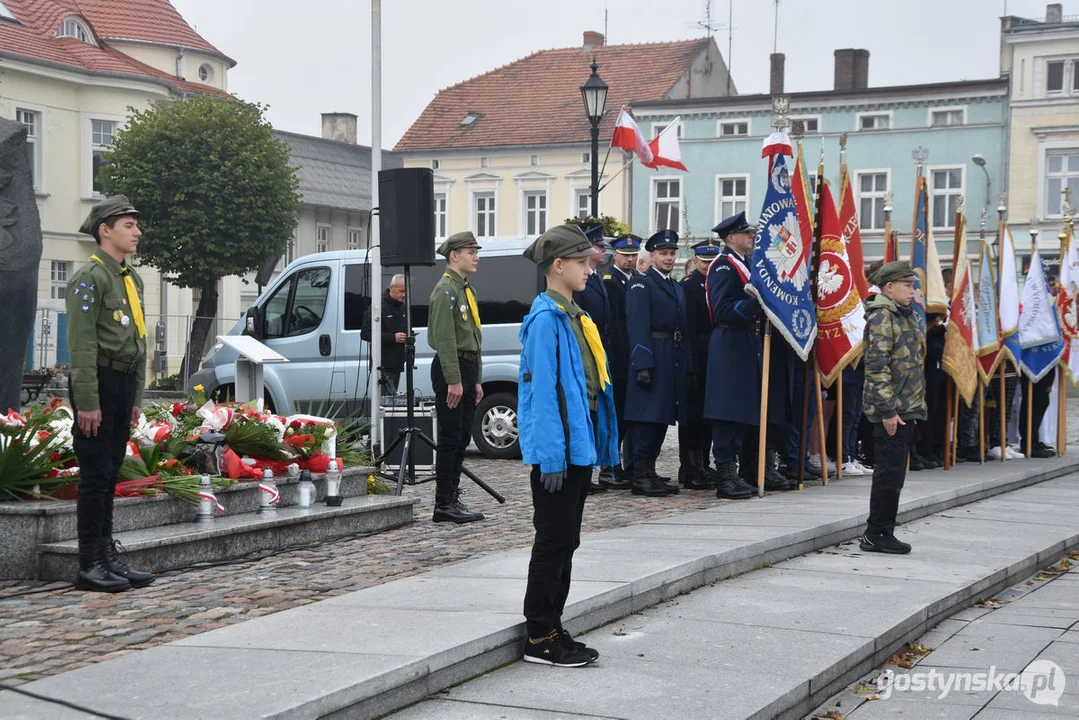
point(298, 322)
point(348, 387)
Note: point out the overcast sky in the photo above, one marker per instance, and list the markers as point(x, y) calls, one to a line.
point(305, 57)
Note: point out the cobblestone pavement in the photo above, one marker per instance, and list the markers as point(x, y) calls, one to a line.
point(48, 628)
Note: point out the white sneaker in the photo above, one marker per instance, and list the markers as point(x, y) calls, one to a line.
point(814, 461)
point(852, 469)
point(993, 453)
point(1011, 454)
point(864, 469)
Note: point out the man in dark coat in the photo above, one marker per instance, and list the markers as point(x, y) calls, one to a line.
point(695, 435)
point(734, 354)
point(661, 365)
point(623, 268)
point(394, 327)
point(594, 301)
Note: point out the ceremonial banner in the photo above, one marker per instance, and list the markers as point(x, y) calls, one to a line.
point(1008, 289)
point(959, 359)
point(919, 248)
point(665, 149)
point(891, 246)
point(852, 232)
point(840, 314)
point(1039, 328)
point(1066, 302)
point(936, 297)
point(803, 197)
point(988, 322)
point(780, 266)
point(628, 136)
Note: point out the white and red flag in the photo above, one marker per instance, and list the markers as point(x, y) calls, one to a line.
point(840, 314)
point(665, 149)
point(628, 136)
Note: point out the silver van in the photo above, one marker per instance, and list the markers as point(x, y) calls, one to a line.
point(312, 314)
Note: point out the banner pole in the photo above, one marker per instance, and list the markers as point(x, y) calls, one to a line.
point(838, 430)
point(822, 443)
point(955, 427)
point(763, 434)
point(1028, 397)
point(802, 428)
point(981, 421)
point(948, 423)
point(1001, 404)
point(1062, 398)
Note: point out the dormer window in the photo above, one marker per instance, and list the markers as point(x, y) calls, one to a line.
point(6, 14)
point(469, 119)
point(74, 27)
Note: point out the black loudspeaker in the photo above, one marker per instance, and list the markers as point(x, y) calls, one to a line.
point(406, 200)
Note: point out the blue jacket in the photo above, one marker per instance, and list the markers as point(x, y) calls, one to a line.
point(551, 360)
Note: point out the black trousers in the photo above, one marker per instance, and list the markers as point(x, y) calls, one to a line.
point(557, 519)
point(389, 380)
point(101, 456)
point(454, 427)
point(727, 439)
point(889, 473)
point(1040, 397)
point(648, 440)
point(625, 442)
point(993, 405)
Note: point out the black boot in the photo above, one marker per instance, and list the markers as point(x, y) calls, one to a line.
point(644, 483)
point(94, 574)
point(137, 578)
point(665, 482)
point(610, 479)
point(691, 474)
point(452, 510)
point(707, 470)
point(730, 487)
point(773, 479)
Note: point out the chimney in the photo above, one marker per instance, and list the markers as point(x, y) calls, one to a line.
point(775, 84)
point(851, 69)
point(340, 127)
point(1054, 13)
point(592, 39)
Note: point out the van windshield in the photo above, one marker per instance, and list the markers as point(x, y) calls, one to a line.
point(505, 288)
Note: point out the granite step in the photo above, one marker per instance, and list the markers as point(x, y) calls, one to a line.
point(169, 547)
point(377, 650)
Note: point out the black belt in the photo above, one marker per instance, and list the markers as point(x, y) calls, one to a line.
point(733, 326)
point(124, 367)
point(468, 355)
point(676, 336)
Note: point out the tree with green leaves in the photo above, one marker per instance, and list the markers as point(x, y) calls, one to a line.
point(215, 191)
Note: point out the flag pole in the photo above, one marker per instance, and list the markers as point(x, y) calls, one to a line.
point(762, 436)
point(955, 427)
point(822, 439)
point(952, 411)
point(1061, 415)
point(1029, 396)
point(1000, 410)
point(1001, 404)
point(620, 170)
point(981, 385)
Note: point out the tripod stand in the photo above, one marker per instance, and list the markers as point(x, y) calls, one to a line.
point(407, 471)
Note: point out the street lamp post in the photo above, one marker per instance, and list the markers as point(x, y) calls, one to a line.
point(979, 160)
point(594, 93)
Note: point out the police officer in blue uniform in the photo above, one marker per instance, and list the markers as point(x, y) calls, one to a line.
point(661, 364)
point(623, 268)
point(594, 301)
point(733, 377)
point(695, 435)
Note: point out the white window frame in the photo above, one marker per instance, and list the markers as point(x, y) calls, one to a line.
point(354, 238)
point(323, 237)
point(87, 160)
point(444, 212)
point(545, 211)
point(1069, 69)
point(857, 180)
point(803, 118)
point(733, 121)
point(58, 284)
point(949, 217)
point(874, 113)
point(948, 108)
point(491, 211)
point(1058, 148)
point(436, 164)
point(36, 141)
point(75, 27)
point(657, 128)
point(585, 193)
point(720, 177)
point(653, 200)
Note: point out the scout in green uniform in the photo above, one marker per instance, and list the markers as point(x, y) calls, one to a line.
point(106, 339)
point(455, 334)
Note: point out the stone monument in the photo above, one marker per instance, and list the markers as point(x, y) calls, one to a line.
point(20, 255)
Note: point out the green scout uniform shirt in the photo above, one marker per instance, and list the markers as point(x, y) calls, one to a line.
point(450, 327)
point(591, 373)
point(100, 325)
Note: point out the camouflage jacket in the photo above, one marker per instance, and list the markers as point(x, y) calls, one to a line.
point(894, 362)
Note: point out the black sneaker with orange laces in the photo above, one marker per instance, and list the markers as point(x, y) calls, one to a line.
point(552, 650)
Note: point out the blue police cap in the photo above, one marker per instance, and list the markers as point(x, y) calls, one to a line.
point(707, 249)
point(734, 224)
point(662, 240)
point(595, 234)
point(628, 244)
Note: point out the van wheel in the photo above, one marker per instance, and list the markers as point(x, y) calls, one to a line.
point(495, 426)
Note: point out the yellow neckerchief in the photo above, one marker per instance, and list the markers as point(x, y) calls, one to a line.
point(132, 296)
point(471, 300)
point(595, 345)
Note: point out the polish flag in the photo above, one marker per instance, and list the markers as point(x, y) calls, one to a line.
point(665, 150)
point(628, 136)
point(777, 144)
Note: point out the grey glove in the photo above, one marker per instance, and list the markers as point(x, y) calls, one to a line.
point(552, 482)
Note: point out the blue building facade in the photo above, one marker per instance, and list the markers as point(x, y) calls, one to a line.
point(721, 140)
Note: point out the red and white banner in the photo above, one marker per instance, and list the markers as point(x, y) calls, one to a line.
point(852, 232)
point(628, 136)
point(665, 149)
point(840, 313)
point(960, 356)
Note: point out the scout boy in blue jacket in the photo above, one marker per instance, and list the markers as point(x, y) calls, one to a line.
point(566, 423)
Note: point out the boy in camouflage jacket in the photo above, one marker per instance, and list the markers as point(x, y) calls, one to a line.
point(893, 397)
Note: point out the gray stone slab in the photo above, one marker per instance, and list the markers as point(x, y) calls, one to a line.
point(1052, 595)
point(450, 709)
point(1066, 705)
point(997, 714)
point(1008, 649)
point(941, 632)
point(21, 707)
point(914, 709)
point(674, 669)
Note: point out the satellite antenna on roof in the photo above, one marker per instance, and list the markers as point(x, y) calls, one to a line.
point(710, 29)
